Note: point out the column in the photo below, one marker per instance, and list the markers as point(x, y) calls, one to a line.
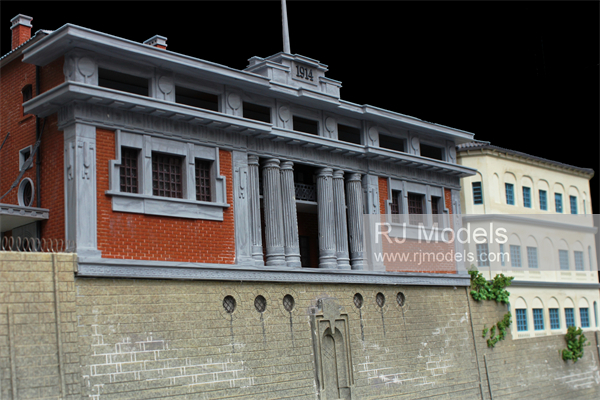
point(290, 219)
point(273, 214)
point(341, 227)
point(354, 195)
point(255, 223)
point(327, 248)
point(241, 209)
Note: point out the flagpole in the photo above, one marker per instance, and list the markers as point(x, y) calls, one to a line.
point(286, 32)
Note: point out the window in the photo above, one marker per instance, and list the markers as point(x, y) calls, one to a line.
point(510, 194)
point(432, 152)
point(573, 201)
point(259, 113)
point(521, 319)
point(436, 208)
point(415, 208)
point(477, 193)
point(538, 319)
point(563, 259)
point(584, 317)
point(502, 255)
point(569, 317)
point(203, 179)
point(166, 175)
point(392, 143)
point(578, 260)
point(27, 94)
point(129, 170)
point(123, 82)
point(198, 99)
point(348, 134)
point(396, 204)
point(24, 155)
point(483, 255)
point(515, 256)
point(554, 319)
point(532, 260)
point(305, 125)
point(558, 202)
point(596, 313)
point(543, 201)
point(526, 197)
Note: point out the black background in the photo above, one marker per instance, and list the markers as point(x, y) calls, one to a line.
point(523, 76)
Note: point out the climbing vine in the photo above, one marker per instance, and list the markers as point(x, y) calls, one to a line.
point(482, 289)
point(576, 340)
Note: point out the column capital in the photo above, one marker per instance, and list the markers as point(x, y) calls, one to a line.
point(324, 172)
point(354, 177)
point(287, 165)
point(252, 159)
point(338, 173)
point(271, 163)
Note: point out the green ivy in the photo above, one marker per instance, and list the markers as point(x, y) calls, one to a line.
point(575, 344)
point(482, 289)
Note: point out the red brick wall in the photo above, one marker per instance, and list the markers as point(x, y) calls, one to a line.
point(448, 199)
point(149, 237)
point(52, 181)
point(412, 255)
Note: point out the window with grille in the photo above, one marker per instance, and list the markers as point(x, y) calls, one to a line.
point(526, 197)
point(396, 202)
point(503, 255)
point(554, 319)
point(415, 208)
point(573, 201)
point(563, 259)
point(166, 175)
point(584, 317)
point(129, 170)
point(569, 317)
point(515, 256)
point(543, 200)
point(558, 202)
point(521, 319)
point(510, 193)
point(538, 319)
point(578, 260)
point(203, 192)
point(477, 193)
point(532, 259)
point(482, 255)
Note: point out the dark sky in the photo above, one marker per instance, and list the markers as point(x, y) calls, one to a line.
point(521, 75)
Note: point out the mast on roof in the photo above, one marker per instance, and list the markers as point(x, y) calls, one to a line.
point(286, 32)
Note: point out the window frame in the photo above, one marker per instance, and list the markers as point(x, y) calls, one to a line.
point(481, 249)
point(573, 204)
point(578, 256)
point(554, 316)
point(543, 204)
point(145, 202)
point(521, 319)
point(532, 251)
point(569, 314)
point(538, 319)
point(510, 186)
point(475, 195)
point(526, 197)
point(563, 255)
point(587, 317)
point(558, 204)
point(515, 250)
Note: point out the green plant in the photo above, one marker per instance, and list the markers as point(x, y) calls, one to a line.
point(482, 289)
point(576, 340)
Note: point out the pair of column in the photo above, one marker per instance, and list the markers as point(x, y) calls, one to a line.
point(281, 224)
point(334, 231)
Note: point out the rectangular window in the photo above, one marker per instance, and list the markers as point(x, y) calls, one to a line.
point(515, 256)
point(554, 319)
point(538, 319)
point(415, 208)
point(543, 200)
point(578, 260)
point(477, 193)
point(166, 175)
point(305, 125)
point(432, 152)
point(510, 194)
point(569, 317)
point(123, 82)
point(482, 255)
point(563, 259)
point(532, 260)
point(502, 256)
point(256, 112)
point(203, 192)
point(558, 202)
point(348, 134)
point(526, 197)
point(521, 319)
point(129, 170)
point(584, 317)
point(396, 202)
point(573, 201)
point(392, 143)
point(195, 98)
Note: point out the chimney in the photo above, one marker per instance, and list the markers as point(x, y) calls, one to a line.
point(157, 41)
point(21, 30)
